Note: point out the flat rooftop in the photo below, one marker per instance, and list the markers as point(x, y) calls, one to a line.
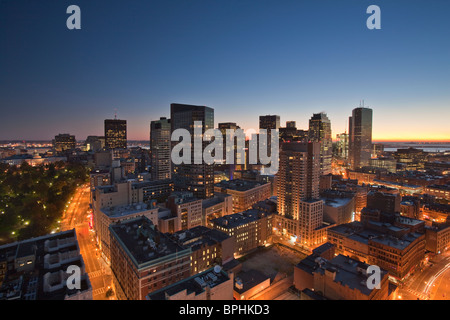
point(142, 241)
point(238, 219)
point(336, 202)
point(349, 272)
point(120, 211)
point(197, 236)
point(249, 279)
point(195, 284)
point(239, 185)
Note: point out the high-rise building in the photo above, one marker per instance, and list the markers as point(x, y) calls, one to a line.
point(223, 126)
point(160, 149)
point(63, 142)
point(196, 178)
point(269, 122)
point(238, 162)
point(298, 176)
point(360, 137)
point(320, 131)
point(300, 211)
point(115, 134)
point(342, 145)
point(291, 124)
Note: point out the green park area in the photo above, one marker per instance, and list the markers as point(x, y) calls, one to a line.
point(33, 199)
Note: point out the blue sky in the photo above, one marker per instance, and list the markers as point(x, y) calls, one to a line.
point(243, 58)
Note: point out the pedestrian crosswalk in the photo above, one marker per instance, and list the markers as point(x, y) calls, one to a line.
point(96, 292)
point(97, 273)
point(421, 296)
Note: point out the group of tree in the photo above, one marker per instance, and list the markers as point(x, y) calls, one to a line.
point(33, 199)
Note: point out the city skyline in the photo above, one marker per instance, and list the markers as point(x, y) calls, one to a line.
point(293, 60)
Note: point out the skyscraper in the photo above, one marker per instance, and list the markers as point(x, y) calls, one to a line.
point(63, 142)
point(115, 134)
point(298, 176)
point(320, 131)
point(197, 178)
point(269, 122)
point(160, 149)
point(300, 211)
point(342, 145)
point(360, 137)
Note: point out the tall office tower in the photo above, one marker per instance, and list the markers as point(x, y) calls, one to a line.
point(291, 124)
point(196, 178)
point(320, 131)
point(269, 122)
point(160, 149)
point(299, 206)
point(115, 134)
point(63, 142)
point(298, 176)
point(360, 137)
point(230, 167)
point(223, 126)
point(342, 145)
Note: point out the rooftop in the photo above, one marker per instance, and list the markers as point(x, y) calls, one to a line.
point(336, 202)
point(238, 219)
point(239, 185)
point(195, 284)
point(198, 236)
point(249, 279)
point(120, 211)
point(47, 257)
point(143, 242)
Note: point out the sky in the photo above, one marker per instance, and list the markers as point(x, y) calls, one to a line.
point(244, 58)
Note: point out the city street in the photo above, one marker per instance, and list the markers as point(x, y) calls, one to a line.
point(432, 283)
point(76, 216)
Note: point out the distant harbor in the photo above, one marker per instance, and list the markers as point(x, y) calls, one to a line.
point(425, 146)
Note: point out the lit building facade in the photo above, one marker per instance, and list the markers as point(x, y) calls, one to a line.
point(360, 137)
point(320, 131)
point(160, 147)
point(115, 134)
point(196, 178)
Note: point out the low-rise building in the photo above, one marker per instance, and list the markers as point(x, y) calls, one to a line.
point(437, 238)
point(245, 193)
point(438, 191)
point(249, 283)
point(144, 260)
point(112, 215)
point(39, 269)
point(218, 206)
point(212, 284)
point(339, 278)
point(209, 247)
point(250, 229)
point(338, 207)
point(397, 249)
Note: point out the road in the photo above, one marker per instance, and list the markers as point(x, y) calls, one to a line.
point(76, 216)
point(432, 283)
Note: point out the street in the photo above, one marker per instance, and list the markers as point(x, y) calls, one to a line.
point(76, 216)
point(432, 283)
